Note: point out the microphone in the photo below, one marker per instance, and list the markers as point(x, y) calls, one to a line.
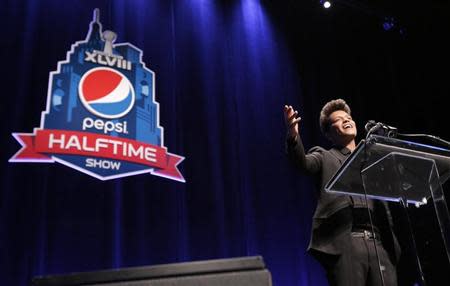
point(369, 125)
point(379, 128)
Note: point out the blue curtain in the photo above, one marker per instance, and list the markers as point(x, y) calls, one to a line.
point(223, 75)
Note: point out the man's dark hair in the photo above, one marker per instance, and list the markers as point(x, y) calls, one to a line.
point(327, 109)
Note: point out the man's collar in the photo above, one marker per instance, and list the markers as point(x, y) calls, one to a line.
point(345, 151)
point(342, 150)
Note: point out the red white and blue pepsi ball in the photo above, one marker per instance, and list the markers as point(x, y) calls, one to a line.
point(106, 93)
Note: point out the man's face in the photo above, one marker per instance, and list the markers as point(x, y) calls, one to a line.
point(343, 128)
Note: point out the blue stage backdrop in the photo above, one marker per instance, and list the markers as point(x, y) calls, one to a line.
point(223, 75)
point(224, 70)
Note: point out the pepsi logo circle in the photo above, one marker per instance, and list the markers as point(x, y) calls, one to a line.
point(106, 93)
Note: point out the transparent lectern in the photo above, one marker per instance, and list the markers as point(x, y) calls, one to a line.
point(397, 170)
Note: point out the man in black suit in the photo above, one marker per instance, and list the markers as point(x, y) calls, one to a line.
point(354, 247)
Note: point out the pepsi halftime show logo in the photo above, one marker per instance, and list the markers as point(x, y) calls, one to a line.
point(101, 117)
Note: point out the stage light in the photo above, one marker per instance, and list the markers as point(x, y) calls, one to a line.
point(326, 4)
point(388, 23)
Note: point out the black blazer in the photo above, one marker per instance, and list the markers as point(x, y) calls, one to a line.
point(332, 219)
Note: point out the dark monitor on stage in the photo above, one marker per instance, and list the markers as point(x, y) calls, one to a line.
point(242, 271)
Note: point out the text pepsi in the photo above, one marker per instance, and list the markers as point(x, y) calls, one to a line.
point(105, 126)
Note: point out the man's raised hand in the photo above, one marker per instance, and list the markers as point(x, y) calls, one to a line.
point(291, 120)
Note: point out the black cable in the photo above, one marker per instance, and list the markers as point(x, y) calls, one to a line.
point(404, 203)
point(363, 163)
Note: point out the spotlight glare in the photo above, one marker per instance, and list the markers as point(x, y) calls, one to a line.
point(389, 23)
point(327, 4)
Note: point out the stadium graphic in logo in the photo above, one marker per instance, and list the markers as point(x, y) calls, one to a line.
point(101, 116)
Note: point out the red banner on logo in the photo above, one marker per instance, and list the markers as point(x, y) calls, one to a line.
point(40, 147)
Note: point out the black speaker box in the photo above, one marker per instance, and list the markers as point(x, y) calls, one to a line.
point(241, 271)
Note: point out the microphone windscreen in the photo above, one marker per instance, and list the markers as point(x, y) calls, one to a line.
point(369, 125)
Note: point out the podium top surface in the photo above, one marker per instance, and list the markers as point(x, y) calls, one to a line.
point(439, 155)
point(390, 169)
point(405, 144)
point(153, 272)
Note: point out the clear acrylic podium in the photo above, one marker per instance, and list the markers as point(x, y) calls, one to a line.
point(391, 169)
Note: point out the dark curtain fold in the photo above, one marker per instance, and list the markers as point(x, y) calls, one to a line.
point(223, 74)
